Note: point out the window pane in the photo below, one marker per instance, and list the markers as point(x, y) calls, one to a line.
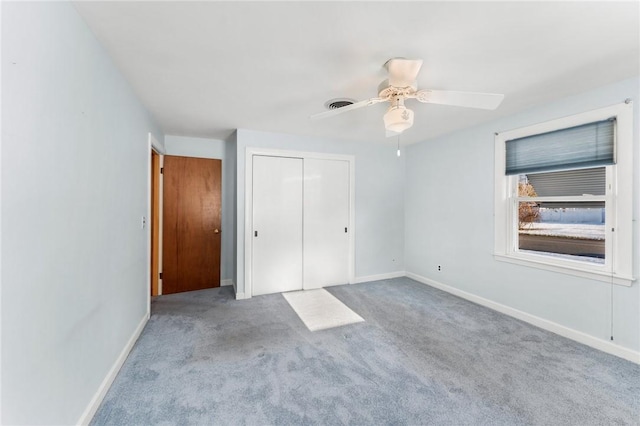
point(575, 232)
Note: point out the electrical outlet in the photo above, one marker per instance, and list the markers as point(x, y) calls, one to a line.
point(144, 222)
point(439, 268)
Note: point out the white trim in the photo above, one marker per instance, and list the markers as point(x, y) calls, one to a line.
point(156, 145)
point(248, 205)
point(379, 277)
point(577, 271)
point(226, 282)
point(578, 336)
point(95, 402)
point(148, 227)
point(618, 267)
point(239, 296)
point(1, 144)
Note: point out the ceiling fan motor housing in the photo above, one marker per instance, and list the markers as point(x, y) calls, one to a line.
point(385, 90)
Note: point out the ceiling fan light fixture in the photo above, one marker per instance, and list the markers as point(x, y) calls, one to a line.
point(398, 119)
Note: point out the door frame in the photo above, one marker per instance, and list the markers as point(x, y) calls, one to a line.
point(248, 204)
point(153, 146)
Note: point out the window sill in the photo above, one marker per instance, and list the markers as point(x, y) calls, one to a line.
point(624, 280)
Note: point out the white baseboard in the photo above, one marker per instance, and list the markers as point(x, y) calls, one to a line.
point(551, 326)
point(379, 277)
point(239, 296)
point(357, 280)
point(91, 409)
point(226, 283)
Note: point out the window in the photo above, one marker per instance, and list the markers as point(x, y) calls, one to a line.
point(569, 224)
point(563, 195)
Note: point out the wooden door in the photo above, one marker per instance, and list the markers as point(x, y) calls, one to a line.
point(277, 225)
point(191, 224)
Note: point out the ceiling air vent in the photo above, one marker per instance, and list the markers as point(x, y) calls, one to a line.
point(338, 103)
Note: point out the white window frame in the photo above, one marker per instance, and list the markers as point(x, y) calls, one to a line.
point(618, 265)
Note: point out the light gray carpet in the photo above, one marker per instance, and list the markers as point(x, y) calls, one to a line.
point(422, 357)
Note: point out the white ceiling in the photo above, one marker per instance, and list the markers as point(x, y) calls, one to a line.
point(206, 68)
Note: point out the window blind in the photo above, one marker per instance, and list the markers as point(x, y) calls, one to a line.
point(569, 182)
point(588, 145)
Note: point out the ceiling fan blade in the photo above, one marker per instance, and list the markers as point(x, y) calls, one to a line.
point(463, 99)
point(403, 72)
point(337, 111)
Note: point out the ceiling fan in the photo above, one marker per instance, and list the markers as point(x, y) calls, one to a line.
point(401, 85)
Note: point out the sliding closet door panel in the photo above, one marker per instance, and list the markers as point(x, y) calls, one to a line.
point(326, 223)
point(277, 224)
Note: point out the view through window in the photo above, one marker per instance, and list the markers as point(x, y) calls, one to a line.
point(558, 226)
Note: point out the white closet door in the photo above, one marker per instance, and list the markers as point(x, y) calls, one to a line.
point(277, 224)
point(326, 222)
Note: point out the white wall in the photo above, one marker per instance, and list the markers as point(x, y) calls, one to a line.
point(1, 133)
point(230, 201)
point(379, 191)
point(217, 149)
point(74, 189)
point(449, 221)
point(194, 147)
